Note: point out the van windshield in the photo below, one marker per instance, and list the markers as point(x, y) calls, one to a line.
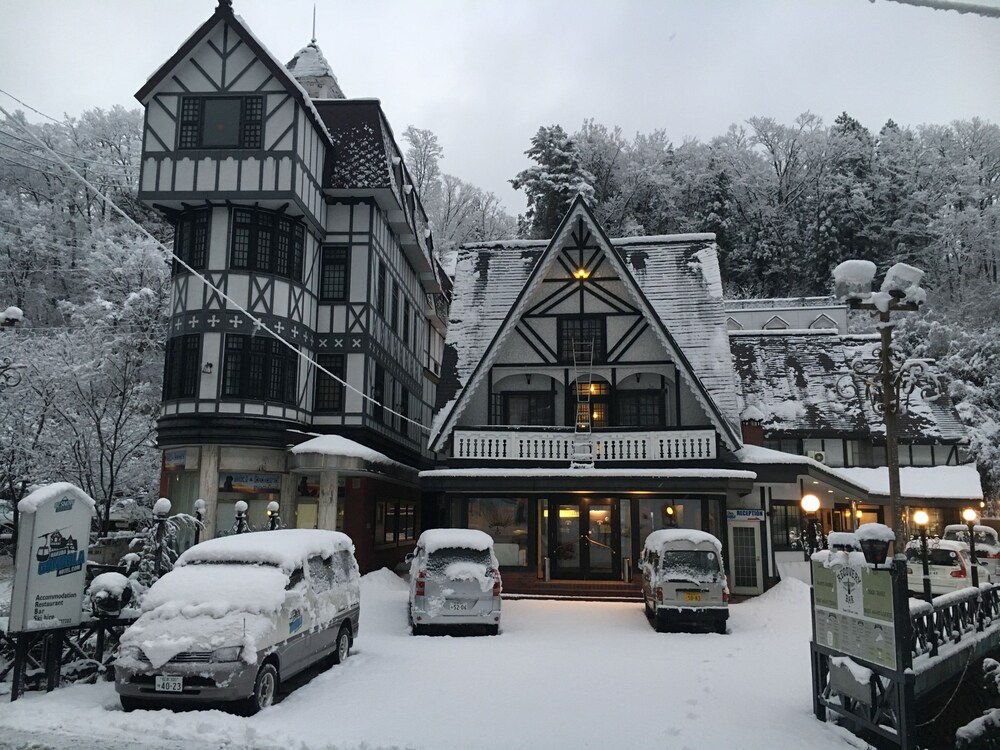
point(698, 565)
point(438, 561)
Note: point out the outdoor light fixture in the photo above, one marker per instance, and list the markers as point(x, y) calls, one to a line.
point(273, 519)
point(969, 515)
point(199, 514)
point(581, 273)
point(207, 368)
point(810, 504)
point(920, 518)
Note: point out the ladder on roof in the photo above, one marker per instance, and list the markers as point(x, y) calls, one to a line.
point(583, 435)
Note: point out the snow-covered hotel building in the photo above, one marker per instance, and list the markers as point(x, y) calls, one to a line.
point(597, 389)
point(295, 204)
point(579, 393)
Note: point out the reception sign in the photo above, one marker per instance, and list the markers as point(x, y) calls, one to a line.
point(854, 613)
point(249, 484)
point(49, 576)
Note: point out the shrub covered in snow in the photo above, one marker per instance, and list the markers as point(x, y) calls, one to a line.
point(983, 733)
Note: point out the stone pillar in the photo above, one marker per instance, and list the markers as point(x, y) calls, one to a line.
point(208, 483)
point(287, 499)
point(327, 501)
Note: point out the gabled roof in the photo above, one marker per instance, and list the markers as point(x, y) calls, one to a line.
point(674, 279)
point(224, 14)
point(801, 381)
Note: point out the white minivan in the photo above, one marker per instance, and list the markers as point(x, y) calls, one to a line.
point(683, 580)
point(987, 544)
point(454, 581)
point(238, 614)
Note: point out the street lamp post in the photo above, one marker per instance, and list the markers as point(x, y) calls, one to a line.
point(970, 517)
point(889, 380)
point(810, 505)
point(920, 518)
point(273, 519)
point(199, 514)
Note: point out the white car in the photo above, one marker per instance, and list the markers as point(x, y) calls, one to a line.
point(237, 615)
point(949, 567)
point(454, 581)
point(987, 544)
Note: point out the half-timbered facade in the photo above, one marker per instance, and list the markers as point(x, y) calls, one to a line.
point(598, 389)
point(298, 234)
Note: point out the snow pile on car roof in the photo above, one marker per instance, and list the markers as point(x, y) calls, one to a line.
point(691, 536)
point(286, 548)
point(219, 605)
point(435, 539)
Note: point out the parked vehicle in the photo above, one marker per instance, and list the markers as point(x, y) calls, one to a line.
point(987, 544)
point(949, 566)
point(454, 581)
point(683, 580)
point(238, 614)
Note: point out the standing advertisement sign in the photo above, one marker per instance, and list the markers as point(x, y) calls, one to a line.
point(49, 565)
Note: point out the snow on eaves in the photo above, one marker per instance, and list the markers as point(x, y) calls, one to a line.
point(941, 482)
point(590, 473)
point(337, 445)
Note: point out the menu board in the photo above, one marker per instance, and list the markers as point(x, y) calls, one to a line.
point(853, 611)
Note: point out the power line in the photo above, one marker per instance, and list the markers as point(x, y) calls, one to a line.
point(258, 323)
point(978, 9)
point(32, 168)
point(116, 165)
point(24, 104)
point(53, 161)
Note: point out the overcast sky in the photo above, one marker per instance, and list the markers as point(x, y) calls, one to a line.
point(484, 76)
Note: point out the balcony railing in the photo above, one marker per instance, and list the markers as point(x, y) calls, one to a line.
point(556, 444)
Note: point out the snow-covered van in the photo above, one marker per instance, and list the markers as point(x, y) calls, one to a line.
point(454, 581)
point(987, 544)
point(683, 581)
point(236, 615)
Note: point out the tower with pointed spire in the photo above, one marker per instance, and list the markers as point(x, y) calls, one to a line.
point(310, 68)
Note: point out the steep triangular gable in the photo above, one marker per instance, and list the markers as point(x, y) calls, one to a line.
point(580, 215)
point(224, 14)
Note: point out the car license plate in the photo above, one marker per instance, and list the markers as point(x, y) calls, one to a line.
point(692, 596)
point(165, 684)
point(461, 605)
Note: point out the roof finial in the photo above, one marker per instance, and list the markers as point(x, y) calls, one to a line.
point(314, 24)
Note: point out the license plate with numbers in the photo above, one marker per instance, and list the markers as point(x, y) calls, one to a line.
point(458, 605)
point(165, 684)
point(692, 596)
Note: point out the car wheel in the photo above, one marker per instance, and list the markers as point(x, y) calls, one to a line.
point(131, 704)
point(343, 646)
point(720, 628)
point(265, 687)
point(492, 630)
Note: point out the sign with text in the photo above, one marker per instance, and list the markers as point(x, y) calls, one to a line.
point(249, 484)
point(49, 575)
point(853, 610)
point(744, 514)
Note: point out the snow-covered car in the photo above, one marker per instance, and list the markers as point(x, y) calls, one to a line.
point(236, 615)
point(987, 544)
point(454, 581)
point(683, 581)
point(949, 566)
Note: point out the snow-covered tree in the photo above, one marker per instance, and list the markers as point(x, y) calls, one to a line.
point(553, 183)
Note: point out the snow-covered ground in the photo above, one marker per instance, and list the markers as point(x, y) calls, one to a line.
point(560, 675)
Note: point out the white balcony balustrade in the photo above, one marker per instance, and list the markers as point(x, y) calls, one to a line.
point(514, 444)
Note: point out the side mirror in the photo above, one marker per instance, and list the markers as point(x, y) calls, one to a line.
point(409, 557)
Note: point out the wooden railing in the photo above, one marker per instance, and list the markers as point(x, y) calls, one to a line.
point(499, 444)
point(953, 617)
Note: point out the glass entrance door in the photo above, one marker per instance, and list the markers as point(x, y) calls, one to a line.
point(585, 539)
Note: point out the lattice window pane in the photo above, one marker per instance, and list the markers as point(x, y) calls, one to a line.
point(253, 115)
point(242, 224)
point(330, 392)
point(233, 365)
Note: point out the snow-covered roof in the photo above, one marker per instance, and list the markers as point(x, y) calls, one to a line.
point(677, 275)
point(287, 549)
point(337, 445)
point(663, 537)
point(310, 61)
point(54, 491)
point(435, 539)
point(802, 382)
point(931, 482)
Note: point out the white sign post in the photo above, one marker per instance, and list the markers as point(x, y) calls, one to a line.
point(49, 566)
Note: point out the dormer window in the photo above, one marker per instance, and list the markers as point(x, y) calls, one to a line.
point(221, 122)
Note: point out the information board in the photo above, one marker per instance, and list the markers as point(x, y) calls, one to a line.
point(854, 613)
point(49, 575)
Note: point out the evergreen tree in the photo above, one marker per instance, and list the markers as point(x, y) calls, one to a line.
point(553, 183)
